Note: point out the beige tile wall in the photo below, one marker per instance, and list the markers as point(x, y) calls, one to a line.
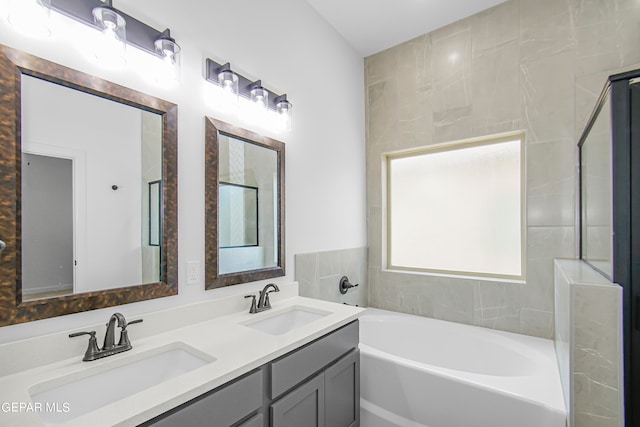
point(589, 345)
point(318, 275)
point(536, 65)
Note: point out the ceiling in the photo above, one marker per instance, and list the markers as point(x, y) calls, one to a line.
point(371, 26)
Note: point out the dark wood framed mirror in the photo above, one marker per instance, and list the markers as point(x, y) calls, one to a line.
point(42, 103)
point(243, 159)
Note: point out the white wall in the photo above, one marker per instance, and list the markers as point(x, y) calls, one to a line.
point(288, 46)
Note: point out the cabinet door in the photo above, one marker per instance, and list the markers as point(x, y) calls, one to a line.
point(302, 407)
point(342, 392)
point(295, 367)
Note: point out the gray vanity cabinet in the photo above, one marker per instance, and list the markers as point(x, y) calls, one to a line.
point(302, 407)
point(316, 385)
point(342, 392)
point(330, 399)
point(222, 407)
point(255, 421)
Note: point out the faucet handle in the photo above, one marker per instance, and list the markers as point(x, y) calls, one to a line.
point(345, 285)
point(253, 309)
point(79, 334)
point(124, 334)
point(267, 303)
point(92, 348)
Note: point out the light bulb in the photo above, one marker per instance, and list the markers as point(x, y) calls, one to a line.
point(229, 82)
point(166, 73)
point(169, 56)
point(110, 46)
point(283, 109)
point(169, 52)
point(260, 97)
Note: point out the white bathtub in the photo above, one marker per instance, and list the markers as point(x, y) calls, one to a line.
point(417, 371)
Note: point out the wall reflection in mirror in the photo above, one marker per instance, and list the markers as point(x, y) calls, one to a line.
point(89, 214)
point(247, 205)
point(597, 191)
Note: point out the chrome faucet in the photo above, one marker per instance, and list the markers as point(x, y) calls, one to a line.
point(109, 347)
point(263, 300)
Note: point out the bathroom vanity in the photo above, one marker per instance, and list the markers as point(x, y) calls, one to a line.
point(317, 384)
point(296, 364)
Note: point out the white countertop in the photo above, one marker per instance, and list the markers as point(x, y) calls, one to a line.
point(237, 349)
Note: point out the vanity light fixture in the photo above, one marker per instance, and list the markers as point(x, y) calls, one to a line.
point(167, 47)
point(228, 81)
point(169, 52)
point(283, 108)
point(110, 48)
point(118, 30)
point(253, 91)
point(259, 95)
point(30, 17)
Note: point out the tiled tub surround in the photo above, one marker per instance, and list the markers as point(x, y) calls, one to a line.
point(454, 375)
point(524, 64)
point(318, 275)
point(214, 328)
point(589, 344)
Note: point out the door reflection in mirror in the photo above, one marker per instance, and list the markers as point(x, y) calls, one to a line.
point(111, 153)
point(47, 240)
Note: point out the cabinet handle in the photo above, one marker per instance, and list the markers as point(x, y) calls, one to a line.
point(3, 246)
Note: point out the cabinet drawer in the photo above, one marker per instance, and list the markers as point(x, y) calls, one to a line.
point(295, 367)
point(221, 407)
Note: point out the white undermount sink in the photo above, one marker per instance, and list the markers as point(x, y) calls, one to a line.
point(62, 400)
point(285, 321)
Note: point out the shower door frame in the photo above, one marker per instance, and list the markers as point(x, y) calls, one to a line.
point(624, 95)
point(625, 100)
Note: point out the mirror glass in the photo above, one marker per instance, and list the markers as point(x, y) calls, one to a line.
point(245, 205)
point(596, 192)
point(89, 213)
point(245, 171)
point(88, 201)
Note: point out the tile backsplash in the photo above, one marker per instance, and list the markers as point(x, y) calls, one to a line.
point(318, 275)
